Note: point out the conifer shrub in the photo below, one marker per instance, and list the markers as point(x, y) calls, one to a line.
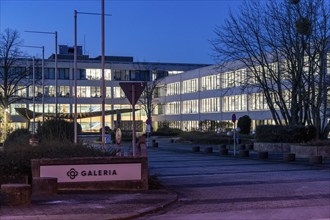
point(244, 123)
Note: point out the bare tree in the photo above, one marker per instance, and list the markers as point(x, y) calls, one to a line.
point(150, 92)
point(15, 72)
point(284, 46)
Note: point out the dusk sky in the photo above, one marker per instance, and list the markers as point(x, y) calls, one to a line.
point(157, 31)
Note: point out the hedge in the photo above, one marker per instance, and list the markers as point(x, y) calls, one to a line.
point(284, 134)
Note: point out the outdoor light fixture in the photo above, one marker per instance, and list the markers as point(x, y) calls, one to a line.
point(56, 85)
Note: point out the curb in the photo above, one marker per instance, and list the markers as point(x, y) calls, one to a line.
point(149, 210)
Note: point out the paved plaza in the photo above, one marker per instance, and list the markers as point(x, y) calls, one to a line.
point(200, 186)
point(211, 186)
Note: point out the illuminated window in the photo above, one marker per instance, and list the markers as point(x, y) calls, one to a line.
point(190, 107)
point(172, 108)
point(210, 105)
point(118, 92)
point(173, 89)
point(234, 103)
point(64, 91)
point(210, 82)
point(233, 79)
point(13, 106)
point(190, 86)
point(96, 74)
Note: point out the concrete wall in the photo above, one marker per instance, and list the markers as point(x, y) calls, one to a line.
point(306, 151)
point(272, 147)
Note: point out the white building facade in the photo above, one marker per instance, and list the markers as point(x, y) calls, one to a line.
point(210, 94)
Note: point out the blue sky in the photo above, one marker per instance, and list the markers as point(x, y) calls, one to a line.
point(159, 31)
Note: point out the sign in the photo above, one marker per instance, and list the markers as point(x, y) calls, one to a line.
point(233, 118)
point(118, 136)
point(92, 172)
point(130, 88)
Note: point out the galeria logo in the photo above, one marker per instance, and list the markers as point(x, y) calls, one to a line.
point(72, 173)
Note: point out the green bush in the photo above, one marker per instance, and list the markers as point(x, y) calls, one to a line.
point(17, 137)
point(204, 137)
point(57, 129)
point(284, 134)
point(244, 123)
point(167, 131)
point(16, 160)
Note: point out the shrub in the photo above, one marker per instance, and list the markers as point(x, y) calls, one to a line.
point(167, 131)
point(57, 129)
point(284, 134)
point(244, 123)
point(16, 160)
point(204, 137)
point(17, 137)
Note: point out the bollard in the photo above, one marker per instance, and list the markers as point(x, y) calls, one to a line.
point(154, 144)
point(250, 146)
point(242, 146)
point(289, 157)
point(315, 159)
point(244, 153)
point(208, 150)
point(263, 155)
point(196, 149)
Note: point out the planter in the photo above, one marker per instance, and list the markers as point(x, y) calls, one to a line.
point(250, 146)
point(223, 151)
point(222, 146)
point(315, 159)
point(273, 147)
point(196, 149)
point(303, 151)
point(208, 150)
point(154, 144)
point(242, 146)
point(263, 155)
point(16, 194)
point(289, 157)
point(244, 153)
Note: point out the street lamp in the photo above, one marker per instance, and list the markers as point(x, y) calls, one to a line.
point(56, 81)
point(75, 73)
point(42, 78)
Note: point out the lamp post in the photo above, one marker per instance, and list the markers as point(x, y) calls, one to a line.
point(56, 67)
point(75, 72)
point(34, 97)
point(42, 79)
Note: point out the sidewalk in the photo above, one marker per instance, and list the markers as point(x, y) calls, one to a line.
point(92, 205)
